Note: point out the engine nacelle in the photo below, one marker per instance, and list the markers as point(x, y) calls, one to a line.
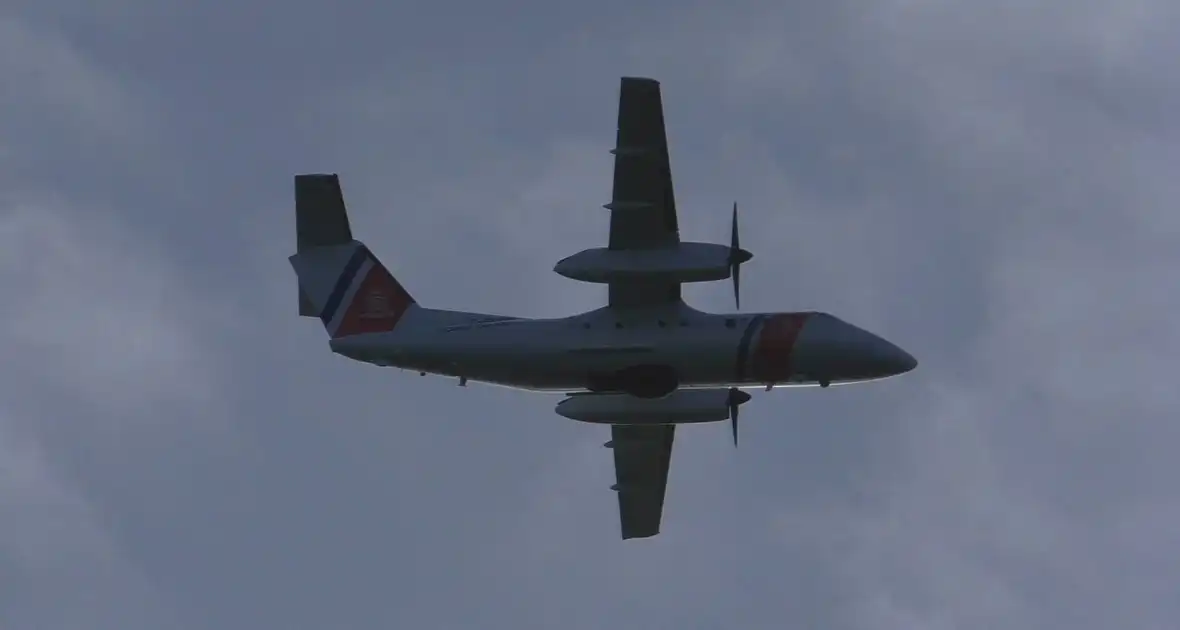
point(687, 262)
point(686, 406)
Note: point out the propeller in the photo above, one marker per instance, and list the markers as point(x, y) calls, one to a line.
point(737, 257)
point(736, 398)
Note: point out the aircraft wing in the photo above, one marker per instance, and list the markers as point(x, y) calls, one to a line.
point(642, 456)
point(643, 208)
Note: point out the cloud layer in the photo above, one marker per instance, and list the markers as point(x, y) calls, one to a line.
point(988, 185)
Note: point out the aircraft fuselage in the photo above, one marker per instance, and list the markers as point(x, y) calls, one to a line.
point(644, 354)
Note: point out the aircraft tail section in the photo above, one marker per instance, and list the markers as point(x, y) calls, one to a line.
point(340, 280)
point(320, 221)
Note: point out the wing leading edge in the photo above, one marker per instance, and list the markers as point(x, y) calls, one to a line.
point(643, 206)
point(643, 454)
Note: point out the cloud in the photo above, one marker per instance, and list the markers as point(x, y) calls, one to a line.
point(1032, 439)
point(988, 185)
point(47, 79)
point(102, 353)
point(61, 569)
point(103, 361)
point(105, 319)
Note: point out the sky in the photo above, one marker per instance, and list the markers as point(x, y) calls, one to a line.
point(990, 185)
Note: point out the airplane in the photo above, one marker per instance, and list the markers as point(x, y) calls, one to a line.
point(643, 363)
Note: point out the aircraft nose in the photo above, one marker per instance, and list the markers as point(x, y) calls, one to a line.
point(858, 353)
point(887, 359)
point(879, 358)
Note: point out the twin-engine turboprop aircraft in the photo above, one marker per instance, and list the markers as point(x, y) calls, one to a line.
point(643, 363)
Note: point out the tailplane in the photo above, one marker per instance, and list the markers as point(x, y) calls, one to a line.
point(340, 281)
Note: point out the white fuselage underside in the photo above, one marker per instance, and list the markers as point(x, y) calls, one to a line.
point(704, 350)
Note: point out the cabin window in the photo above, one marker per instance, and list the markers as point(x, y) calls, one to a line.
point(618, 324)
point(730, 322)
point(661, 323)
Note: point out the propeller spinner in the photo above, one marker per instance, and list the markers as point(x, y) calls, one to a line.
point(737, 257)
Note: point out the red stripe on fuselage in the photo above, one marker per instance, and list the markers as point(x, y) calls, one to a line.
point(772, 355)
point(378, 306)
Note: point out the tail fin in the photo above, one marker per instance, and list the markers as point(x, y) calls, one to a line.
point(320, 221)
point(340, 280)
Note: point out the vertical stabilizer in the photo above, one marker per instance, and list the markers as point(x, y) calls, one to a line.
point(340, 280)
point(320, 220)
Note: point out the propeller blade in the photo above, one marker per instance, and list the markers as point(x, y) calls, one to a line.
point(735, 263)
point(737, 286)
point(734, 241)
point(735, 401)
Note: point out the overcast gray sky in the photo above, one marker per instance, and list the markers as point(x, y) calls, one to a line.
point(992, 185)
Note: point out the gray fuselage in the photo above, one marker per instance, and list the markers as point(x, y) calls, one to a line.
point(646, 354)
